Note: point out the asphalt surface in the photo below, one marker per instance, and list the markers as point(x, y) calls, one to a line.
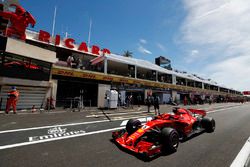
point(85, 140)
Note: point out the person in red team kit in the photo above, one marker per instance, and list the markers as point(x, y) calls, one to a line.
point(12, 100)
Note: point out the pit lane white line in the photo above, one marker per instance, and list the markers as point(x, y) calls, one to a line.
point(112, 111)
point(63, 125)
point(59, 138)
point(222, 109)
point(125, 113)
point(243, 157)
point(51, 126)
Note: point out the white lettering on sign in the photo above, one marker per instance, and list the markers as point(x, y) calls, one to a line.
point(56, 132)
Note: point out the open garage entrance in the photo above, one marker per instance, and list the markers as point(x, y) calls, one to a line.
point(69, 92)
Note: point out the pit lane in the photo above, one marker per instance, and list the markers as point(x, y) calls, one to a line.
point(216, 149)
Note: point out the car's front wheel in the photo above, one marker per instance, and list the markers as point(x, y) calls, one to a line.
point(170, 139)
point(132, 125)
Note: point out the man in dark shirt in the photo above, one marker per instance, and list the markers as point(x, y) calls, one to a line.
point(148, 102)
point(156, 105)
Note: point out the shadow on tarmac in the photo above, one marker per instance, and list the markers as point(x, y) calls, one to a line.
point(106, 115)
point(148, 159)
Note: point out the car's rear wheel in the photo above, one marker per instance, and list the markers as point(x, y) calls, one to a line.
point(208, 124)
point(132, 125)
point(170, 139)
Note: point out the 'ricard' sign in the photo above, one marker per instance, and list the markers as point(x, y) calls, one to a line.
point(70, 44)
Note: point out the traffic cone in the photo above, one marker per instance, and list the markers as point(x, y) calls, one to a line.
point(33, 109)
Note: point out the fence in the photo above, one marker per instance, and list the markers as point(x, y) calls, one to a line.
point(76, 103)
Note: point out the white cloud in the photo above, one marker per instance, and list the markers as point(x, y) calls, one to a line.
point(233, 71)
point(143, 50)
point(193, 56)
point(143, 41)
point(161, 47)
point(220, 30)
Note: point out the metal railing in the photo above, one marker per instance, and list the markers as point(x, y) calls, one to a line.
point(74, 104)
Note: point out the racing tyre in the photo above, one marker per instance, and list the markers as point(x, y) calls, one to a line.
point(170, 139)
point(208, 124)
point(132, 125)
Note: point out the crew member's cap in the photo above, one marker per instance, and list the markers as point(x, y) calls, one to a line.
point(13, 88)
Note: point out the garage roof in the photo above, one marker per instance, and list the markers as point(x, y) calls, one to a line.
point(148, 65)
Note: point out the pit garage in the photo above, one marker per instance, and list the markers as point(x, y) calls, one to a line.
point(70, 90)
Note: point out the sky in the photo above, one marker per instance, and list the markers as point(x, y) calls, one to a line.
point(210, 38)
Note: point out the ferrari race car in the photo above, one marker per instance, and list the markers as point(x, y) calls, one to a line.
point(163, 133)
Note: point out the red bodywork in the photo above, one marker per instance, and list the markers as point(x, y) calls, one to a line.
point(183, 121)
point(20, 19)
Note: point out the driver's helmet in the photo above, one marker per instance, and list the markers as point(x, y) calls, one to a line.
point(175, 110)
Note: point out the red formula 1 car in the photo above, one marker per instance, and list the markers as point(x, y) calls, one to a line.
point(163, 133)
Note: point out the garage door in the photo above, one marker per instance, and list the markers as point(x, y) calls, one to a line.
point(29, 96)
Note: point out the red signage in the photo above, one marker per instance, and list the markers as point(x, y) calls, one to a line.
point(69, 43)
point(246, 92)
